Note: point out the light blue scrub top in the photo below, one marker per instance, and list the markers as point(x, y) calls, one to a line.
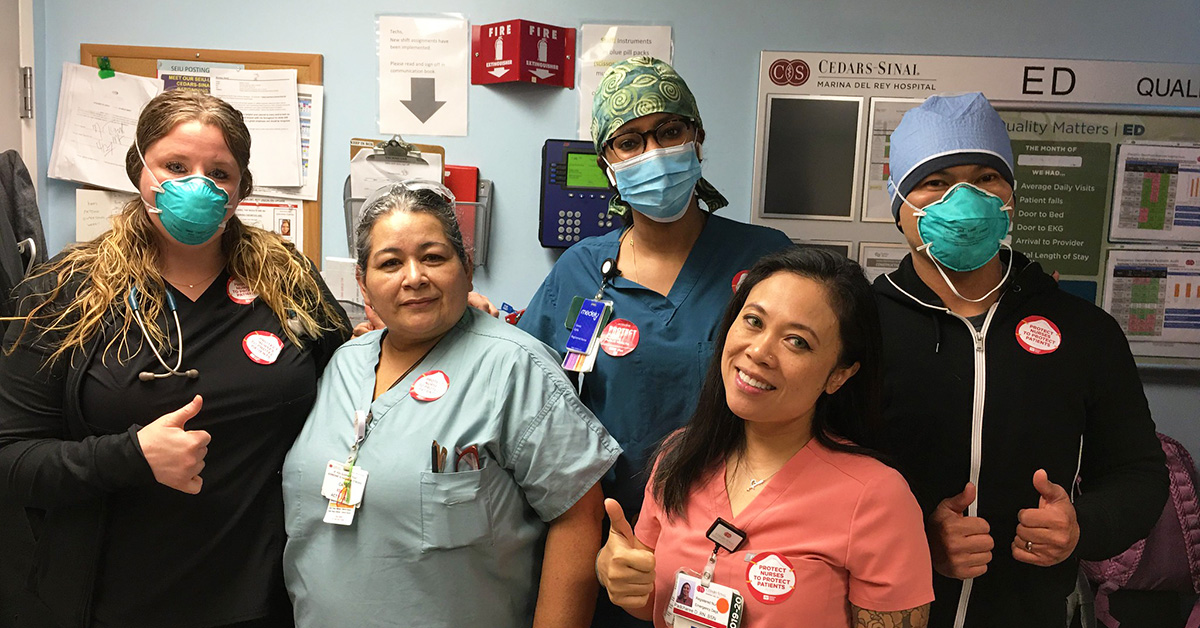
point(652, 391)
point(430, 549)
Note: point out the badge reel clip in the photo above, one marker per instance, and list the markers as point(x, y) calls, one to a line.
point(696, 601)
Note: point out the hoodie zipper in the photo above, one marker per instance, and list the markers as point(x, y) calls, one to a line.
point(980, 338)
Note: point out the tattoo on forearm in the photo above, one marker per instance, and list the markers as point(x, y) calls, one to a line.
point(911, 618)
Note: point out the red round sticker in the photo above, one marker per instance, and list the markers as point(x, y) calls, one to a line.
point(619, 338)
point(239, 292)
point(770, 577)
point(262, 347)
point(430, 386)
point(1037, 335)
point(739, 278)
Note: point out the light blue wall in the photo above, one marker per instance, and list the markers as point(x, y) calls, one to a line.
point(717, 47)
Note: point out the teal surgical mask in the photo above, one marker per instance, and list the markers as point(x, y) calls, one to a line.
point(191, 208)
point(963, 230)
point(658, 183)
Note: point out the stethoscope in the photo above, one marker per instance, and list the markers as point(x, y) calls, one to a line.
point(147, 376)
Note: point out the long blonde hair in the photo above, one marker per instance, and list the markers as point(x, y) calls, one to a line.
point(127, 256)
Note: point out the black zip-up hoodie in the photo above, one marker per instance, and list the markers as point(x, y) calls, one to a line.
point(1038, 405)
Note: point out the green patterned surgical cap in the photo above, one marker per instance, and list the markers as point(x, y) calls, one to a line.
point(641, 86)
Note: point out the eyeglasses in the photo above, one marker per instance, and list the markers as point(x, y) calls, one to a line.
point(669, 133)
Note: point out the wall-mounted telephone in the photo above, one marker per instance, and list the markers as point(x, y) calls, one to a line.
point(575, 194)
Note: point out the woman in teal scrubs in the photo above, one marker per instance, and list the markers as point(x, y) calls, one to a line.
point(675, 270)
point(677, 265)
point(471, 497)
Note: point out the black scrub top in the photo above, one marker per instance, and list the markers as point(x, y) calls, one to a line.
point(212, 559)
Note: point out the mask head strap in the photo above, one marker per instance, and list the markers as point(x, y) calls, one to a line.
point(138, 149)
point(1003, 280)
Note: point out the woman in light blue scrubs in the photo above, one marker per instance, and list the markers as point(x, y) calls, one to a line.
point(676, 268)
point(447, 475)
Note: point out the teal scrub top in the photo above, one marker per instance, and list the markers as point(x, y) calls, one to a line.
point(431, 549)
point(648, 393)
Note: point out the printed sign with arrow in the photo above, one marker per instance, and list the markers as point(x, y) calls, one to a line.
point(423, 75)
point(422, 103)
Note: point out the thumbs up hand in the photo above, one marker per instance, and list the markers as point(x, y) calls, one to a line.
point(960, 546)
point(624, 565)
point(1046, 535)
point(175, 455)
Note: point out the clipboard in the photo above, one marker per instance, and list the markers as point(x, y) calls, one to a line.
point(397, 148)
point(474, 211)
point(389, 153)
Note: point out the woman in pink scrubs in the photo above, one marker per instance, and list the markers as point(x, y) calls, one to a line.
point(769, 505)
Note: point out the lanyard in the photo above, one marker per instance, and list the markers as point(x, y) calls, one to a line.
point(608, 268)
point(362, 420)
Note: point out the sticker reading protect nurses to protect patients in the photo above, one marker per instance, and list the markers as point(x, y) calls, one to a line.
point(620, 338)
point(262, 347)
point(430, 386)
point(1038, 335)
point(239, 292)
point(770, 578)
point(739, 278)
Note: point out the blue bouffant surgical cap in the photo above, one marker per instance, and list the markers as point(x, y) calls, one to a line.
point(943, 132)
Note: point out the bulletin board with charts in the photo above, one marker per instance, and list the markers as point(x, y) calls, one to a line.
point(282, 99)
point(1107, 164)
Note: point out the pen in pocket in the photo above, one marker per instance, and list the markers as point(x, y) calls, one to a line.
point(465, 459)
point(438, 458)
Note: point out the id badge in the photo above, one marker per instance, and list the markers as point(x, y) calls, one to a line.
point(586, 320)
point(339, 514)
point(696, 606)
point(580, 362)
point(334, 486)
point(587, 326)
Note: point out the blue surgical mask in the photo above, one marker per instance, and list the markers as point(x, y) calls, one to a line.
point(658, 183)
point(191, 208)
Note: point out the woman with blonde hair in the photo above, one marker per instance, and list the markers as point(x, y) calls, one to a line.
point(153, 384)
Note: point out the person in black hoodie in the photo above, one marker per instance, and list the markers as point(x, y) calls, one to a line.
point(1014, 409)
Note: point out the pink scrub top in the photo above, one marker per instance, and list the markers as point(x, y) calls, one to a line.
point(847, 525)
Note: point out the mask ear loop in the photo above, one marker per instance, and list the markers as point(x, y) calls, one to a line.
point(609, 172)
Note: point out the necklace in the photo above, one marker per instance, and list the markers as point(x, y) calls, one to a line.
point(755, 482)
point(193, 285)
point(632, 254)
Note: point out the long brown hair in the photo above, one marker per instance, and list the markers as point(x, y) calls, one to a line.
point(127, 255)
point(848, 420)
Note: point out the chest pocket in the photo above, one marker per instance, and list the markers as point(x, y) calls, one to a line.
point(813, 592)
point(454, 509)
